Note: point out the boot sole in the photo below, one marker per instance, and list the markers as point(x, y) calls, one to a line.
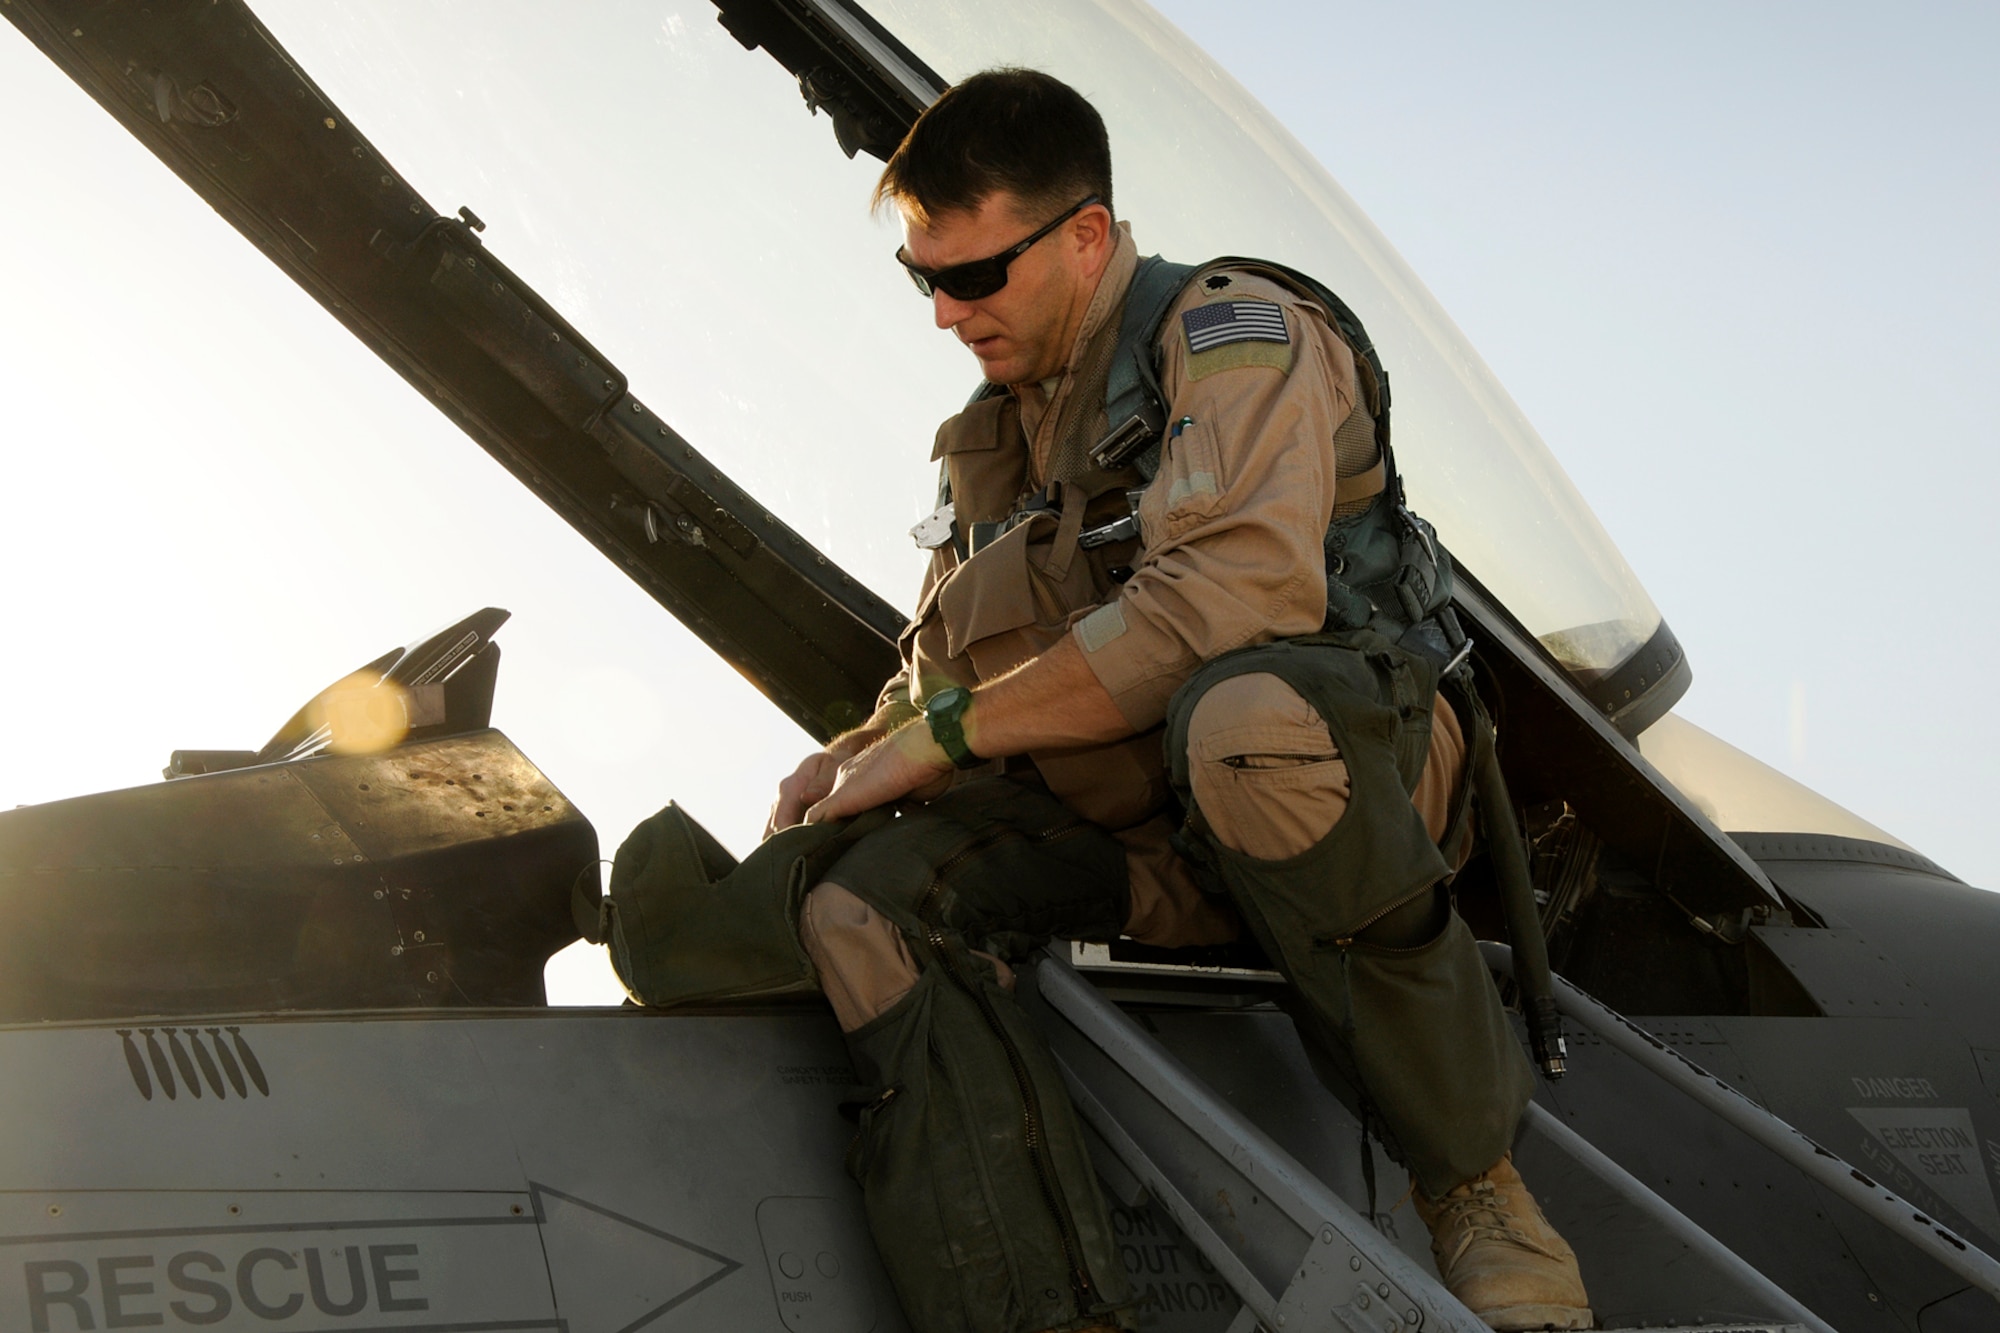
point(1527, 1318)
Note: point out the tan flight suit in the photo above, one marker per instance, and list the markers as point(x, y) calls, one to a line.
point(1229, 556)
point(1267, 447)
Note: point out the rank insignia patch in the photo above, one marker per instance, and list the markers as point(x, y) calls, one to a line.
point(1221, 323)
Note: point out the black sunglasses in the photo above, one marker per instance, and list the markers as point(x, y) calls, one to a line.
point(979, 278)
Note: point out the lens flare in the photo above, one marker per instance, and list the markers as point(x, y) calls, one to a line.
point(363, 714)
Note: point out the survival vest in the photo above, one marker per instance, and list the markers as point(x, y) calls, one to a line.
point(1385, 570)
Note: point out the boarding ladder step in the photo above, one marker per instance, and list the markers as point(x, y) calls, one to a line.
point(1298, 1255)
point(1922, 1233)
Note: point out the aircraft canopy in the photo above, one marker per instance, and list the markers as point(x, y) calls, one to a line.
point(667, 191)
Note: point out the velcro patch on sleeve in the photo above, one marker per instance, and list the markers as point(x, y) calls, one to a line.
point(1101, 626)
point(1223, 335)
point(1235, 355)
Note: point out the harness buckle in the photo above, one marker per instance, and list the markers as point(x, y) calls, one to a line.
point(1415, 525)
point(1117, 530)
point(984, 535)
point(1124, 443)
point(1458, 659)
point(932, 531)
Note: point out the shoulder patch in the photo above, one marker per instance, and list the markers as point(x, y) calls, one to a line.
point(1220, 323)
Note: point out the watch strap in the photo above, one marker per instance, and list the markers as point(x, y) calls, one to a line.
point(944, 713)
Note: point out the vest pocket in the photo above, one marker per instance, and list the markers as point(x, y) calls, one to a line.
point(989, 594)
point(985, 473)
point(1002, 607)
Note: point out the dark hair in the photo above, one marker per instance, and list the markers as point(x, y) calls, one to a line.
point(1017, 130)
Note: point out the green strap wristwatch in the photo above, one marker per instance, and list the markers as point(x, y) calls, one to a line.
point(943, 712)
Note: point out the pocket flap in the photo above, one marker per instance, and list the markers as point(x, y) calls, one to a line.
point(990, 593)
point(980, 426)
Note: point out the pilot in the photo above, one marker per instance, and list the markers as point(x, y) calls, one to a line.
point(1127, 707)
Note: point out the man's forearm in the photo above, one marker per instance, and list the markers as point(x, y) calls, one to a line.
point(1052, 702)
point(884, 720)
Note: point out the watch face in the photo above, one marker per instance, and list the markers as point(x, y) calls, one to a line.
point(942, 713)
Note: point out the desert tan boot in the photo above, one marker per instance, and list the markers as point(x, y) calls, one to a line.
point(1499, 1255)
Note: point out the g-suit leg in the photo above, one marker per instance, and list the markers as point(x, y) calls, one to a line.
point(1295, 761)
point(980, 1193)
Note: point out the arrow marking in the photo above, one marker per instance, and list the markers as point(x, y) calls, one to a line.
point(607, 1273)
point(579, 1304)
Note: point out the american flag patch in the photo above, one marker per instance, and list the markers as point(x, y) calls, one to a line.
point(1223, 322)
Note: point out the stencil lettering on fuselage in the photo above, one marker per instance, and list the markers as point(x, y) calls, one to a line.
point(1898, 1088)
point(311, 1261)
point(1938, 1146)
point(823, 1269)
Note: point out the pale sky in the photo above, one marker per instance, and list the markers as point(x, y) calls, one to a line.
point(1734, 263)
point(1737, 264)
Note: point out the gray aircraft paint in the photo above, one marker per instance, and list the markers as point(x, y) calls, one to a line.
point(597, 1171)
point(1939, 1147)
point(490, 1172)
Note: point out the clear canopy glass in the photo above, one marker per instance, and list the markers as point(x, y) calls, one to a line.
point(668, 192)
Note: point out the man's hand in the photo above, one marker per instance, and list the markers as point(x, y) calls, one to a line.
point(814, 777)
point(1053, 701)
point(906, 762)
point(809, 783)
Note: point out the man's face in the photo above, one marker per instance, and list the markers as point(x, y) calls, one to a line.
point(1023, 332)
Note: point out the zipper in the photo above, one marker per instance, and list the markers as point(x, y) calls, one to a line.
point(1031, 1112)
point(1353, 936)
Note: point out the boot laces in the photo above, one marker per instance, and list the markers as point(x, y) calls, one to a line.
point(1477, 1212)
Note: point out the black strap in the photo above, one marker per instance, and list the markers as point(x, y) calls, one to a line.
point(1133, 387)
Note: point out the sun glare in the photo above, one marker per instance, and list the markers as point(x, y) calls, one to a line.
point(363, 714)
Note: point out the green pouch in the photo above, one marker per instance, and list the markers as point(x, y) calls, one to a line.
point(983, 1229)
point(687, 923)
